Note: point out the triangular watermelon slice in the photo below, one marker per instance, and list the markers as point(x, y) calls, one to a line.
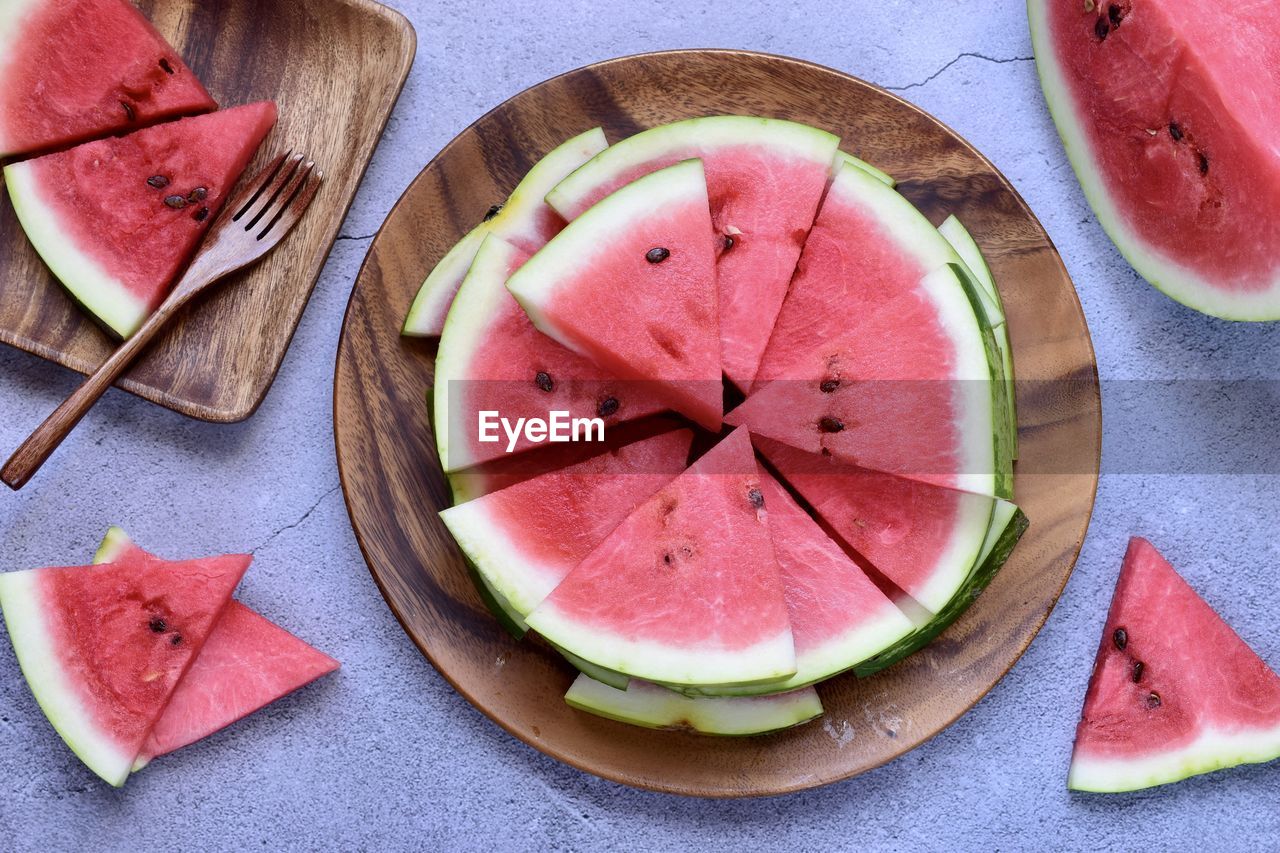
point(631, 284)
point(72, 70)
point(686, 590)
point(104, 647)
point(247, 663)
point(765, 178)
point(1174, 692)
point(116, 220)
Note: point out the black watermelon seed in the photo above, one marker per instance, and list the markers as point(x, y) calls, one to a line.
point(168, 69)
point(177, 202)
point(830, 424)
point(657, 255)
point(543, 381)
point(1175, 131)
point(492, 212)
point(756, 498)
point(1153, 700)
point(608, 406)
point(1102, 28)
point(1120, 638)
point(175, 640)
point(198, 194)
point(829, 386)
point(1203, 162)
point(158, 625)
point(158, 182)
point(128, 111)
point(1138, 667)
point(666, 558)
point(201, 215)
point(728, 242)
point(1115, 14)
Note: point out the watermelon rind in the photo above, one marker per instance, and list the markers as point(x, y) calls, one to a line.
point(103, 295)
point(507, 616)
point(20, 599)
point(427, 314)
point(113, 543)
point(1008, 523)
point(1211, 750)
point(1171, 278)
point(655, 707)
point(843, 158)
point(616, 680)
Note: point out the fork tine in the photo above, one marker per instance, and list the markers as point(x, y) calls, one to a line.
point(289, 197)
point(266, 176)
point(271, 192)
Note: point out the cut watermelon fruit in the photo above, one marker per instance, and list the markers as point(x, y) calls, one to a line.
point(1174, 691)
point(117, 219)
point(491, 358)
point(103, 647)
point(654, 707)
point(631, 284)
point(765, 178)
point(686, 590)
point(524, 539)
point(72, 70)
point(525, 221)
point(246, 664)
point(1168, 112)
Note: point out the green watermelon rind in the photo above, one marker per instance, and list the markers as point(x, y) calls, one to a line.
point(106, 298)
point(608, 677)
point(654, 707)
point(1212, 750)
point(21, 603)
point(1172, 279)
point(843, 157)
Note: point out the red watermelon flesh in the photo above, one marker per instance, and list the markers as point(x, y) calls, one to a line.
point(687, 589)
point(103, 647)
point(117, 219)
point(1174, 691)
point(72, 70)
point(631, 284)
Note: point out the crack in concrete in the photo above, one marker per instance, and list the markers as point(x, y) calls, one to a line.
point(357, 236)
point(967, 54)
point(276, 534)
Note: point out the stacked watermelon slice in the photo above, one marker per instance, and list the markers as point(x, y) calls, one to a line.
point(705, 569)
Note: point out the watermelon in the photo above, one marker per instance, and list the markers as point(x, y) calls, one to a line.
point(655, 707)
point(1174, 691)
point(246, 664)
point(117, 219)
point(843, 158)
point(491, 358)
point(631, 284)
point(765, 178)
point(686, 590)
point(524, 220)
point(1168, 111)
point(525, 539)
point(72, 70)
point(103, 647)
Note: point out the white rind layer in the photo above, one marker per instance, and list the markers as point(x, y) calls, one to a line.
point(1165, 274)
point(961, 554)
point(103, 295)
point(1212, 750)
point(953, 230)
point(843, 157)
point(23, 609)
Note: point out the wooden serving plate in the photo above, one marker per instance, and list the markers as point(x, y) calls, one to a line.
point(393, 484)
point(335, 67)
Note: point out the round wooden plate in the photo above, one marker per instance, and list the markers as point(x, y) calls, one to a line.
point(394, 487)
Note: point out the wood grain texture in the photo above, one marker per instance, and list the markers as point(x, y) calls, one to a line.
point(335, 68)
point(394, 487)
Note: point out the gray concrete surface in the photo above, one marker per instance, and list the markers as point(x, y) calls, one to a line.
point(386, 756)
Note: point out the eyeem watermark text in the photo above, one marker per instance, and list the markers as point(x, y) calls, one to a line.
point(558, 427)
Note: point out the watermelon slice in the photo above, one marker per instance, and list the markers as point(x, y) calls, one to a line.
point(103, 647)
point(524, 220)
point(491, 358)
point(72, 70)
point(117, 219)
point(843, 157)
point(765, 178)
point(654, 707)
point(524, 539)
point(1168, 111)
point(1174, 691)
point(686, 590)
point(631, 284)
point(246, 664)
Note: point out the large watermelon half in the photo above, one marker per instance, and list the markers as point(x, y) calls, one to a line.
point(117, 219)
point(525, 221)
point(631, 284)
point(72, 70)
point(1168, 110)
point(103, 647)
point(765, 178)
point(1174, 691)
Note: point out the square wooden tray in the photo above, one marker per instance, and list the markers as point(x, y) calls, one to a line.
point(335, 67)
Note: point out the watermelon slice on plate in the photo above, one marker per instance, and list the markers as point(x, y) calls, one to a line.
point(1168, 111)
point(72, 70)
point(843, 158)
point(246, 663)
point(765, 178)
point(103, 647)
point(687, 589)
point(117, 219)
point(631, 284)
point(1174, 691)
point(655, 707)
point(525, 221)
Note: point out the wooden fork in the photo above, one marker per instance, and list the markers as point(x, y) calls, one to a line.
point(263, 214)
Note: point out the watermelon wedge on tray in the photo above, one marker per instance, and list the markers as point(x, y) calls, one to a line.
point(72, 70)
point(117, 219)
point(1174, 691)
